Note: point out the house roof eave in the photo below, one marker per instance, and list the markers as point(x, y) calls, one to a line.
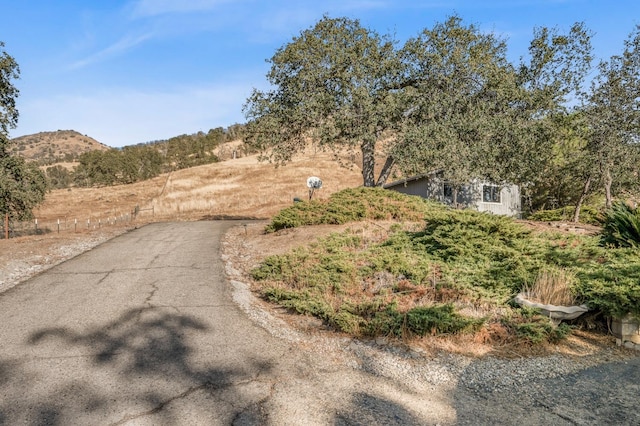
point(408, 179)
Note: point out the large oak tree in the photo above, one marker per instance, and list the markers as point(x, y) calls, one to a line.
point(474, 115)
point(612, 113)
point(334, 85)
point(22, 186)
point(449, 99)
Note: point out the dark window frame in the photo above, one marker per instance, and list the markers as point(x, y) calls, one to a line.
point(447, 191)
point(491, 194)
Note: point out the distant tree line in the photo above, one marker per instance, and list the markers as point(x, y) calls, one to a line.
point(143, 161)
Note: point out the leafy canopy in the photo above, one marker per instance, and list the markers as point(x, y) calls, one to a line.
point(448, 97)
point(334, 85)
point(612, 111)
point(474, 115)
point(22, 186)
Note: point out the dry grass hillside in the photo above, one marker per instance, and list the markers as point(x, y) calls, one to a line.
point(242, 187)
point(71, 221)
point(48, 146)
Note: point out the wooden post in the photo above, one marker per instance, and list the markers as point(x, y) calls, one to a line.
point(6, 226)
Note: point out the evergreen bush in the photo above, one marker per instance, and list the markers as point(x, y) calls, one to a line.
point(622, 226)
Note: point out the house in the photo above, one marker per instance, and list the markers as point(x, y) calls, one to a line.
point(478, 195)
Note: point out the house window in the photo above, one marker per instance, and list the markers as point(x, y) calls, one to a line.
point(490, 194)
point(447, 191)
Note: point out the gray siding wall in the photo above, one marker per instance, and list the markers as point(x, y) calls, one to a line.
point(509, 205)
point(425, 188)
point(471, 196)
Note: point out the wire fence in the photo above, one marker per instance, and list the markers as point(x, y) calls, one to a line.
point(40, 226)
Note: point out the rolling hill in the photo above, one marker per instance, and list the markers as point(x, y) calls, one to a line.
point(242, 186)
point(50, 147)
point(235, 187)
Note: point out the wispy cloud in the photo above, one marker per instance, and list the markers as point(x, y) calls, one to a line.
point(123, 45)
point(147, 8)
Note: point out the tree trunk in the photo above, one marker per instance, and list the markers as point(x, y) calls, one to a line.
point(386, 171)
point(583, 195)
point(368, 163)
point(608, 181)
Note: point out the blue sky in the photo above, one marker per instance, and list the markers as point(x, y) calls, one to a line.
point(131, 71)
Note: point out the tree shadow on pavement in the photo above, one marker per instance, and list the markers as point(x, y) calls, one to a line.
point(133, 367)
point(366, 409)
point(138, 342)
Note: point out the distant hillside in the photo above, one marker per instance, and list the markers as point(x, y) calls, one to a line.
point(51, 147)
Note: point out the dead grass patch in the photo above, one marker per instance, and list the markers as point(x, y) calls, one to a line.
point(553, 286)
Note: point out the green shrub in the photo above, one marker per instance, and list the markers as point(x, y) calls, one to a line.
point(270, 268)
point(420, 321)
point(612, 285)
point(588, 214)
point(459, 258)
point(492, 256)
point(351, 205)
point(622, 226)
point(540, 331)
point(439, 319)
point(301, 302)
point(346, 322)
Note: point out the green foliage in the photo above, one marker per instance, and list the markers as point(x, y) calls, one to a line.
point(300, 302)
point(232, 133)
point(145, 161)
point(22, 187)
point(58, 177)
point(622, 226)
point(588, 214)
point(414, 283)
point(449, 98)
point(612, 284)
point(490, 254)
point(352, 205)
point(389, 321)
point(539, 330)
point(9, 71)
point(332, 83)
point(612, 113)
point(562, 182)
point(419, 321)
point(461, 121)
